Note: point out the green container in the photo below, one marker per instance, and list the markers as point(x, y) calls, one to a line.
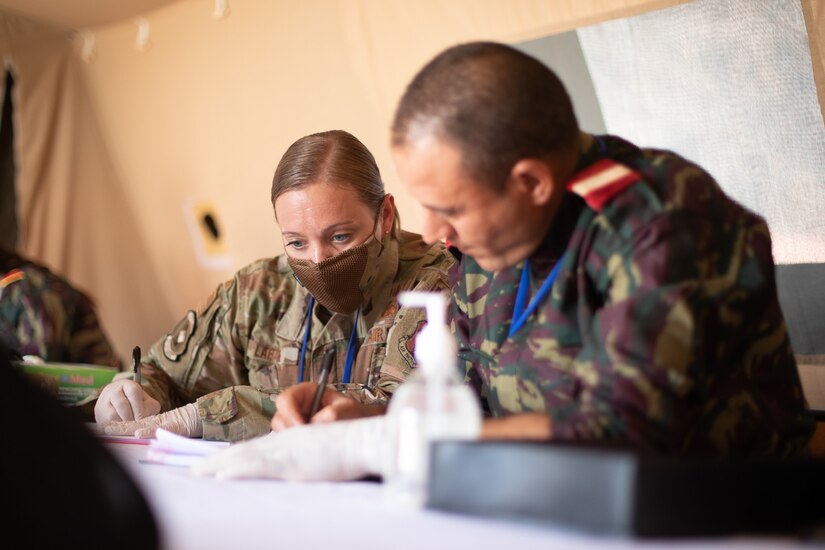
point(69, 382)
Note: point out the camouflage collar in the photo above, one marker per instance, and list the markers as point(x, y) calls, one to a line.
point(556, 240)
point(377, 295)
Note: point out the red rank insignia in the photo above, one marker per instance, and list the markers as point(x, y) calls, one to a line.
point(602, 181)
point(11, 276)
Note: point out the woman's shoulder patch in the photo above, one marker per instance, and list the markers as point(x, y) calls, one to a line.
point(176, 341)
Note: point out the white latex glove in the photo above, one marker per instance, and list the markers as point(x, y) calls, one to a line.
point(339, 451)
point(183, 421)
point(124, 400)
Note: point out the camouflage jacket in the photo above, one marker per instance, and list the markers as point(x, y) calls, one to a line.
point(663, 327)
point(243, 347)
point(43, 314)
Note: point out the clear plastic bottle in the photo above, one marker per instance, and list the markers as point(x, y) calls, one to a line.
point(433, 404)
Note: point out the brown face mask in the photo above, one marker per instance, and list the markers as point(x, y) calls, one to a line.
point(336, 282)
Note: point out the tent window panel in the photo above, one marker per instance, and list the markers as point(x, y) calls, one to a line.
point(729, 85)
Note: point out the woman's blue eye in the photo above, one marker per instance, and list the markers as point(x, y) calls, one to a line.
point(295, 244)
point(341, 237)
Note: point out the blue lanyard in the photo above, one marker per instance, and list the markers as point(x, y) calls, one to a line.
point(351, 348)
point(353, 343)
point(520, 314)
point(306, 339)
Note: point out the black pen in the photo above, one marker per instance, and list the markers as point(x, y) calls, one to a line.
point(326, 367)
point(136, 363)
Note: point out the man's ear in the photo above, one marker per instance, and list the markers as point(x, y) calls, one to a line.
point(534, 177)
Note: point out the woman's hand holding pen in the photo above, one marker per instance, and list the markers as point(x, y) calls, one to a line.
point(124, 400)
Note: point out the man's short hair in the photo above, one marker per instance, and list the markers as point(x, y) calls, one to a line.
point(496, 104)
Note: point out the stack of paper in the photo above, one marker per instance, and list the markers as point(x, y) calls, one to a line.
point(175, 450)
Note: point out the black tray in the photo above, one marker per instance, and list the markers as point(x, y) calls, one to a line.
point(623, 492)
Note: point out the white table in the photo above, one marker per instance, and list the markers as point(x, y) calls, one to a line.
point(203, 513)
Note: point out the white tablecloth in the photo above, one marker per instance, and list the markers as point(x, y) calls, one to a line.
point(203, 513)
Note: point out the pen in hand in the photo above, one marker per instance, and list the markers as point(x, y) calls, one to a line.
point(136, 363)
point(326, 367)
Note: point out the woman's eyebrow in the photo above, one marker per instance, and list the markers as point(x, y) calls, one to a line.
point(339, 225)
point(328, 229)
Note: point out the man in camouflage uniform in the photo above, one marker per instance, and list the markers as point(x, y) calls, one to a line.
point(42, 314)
point(649, 301)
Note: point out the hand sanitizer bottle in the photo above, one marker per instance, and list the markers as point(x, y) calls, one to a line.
point(433, 404)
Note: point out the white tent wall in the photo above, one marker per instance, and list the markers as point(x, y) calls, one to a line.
point(206, 110)
point(71, 203)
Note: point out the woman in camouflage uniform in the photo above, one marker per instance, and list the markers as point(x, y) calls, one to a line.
point(217, 373)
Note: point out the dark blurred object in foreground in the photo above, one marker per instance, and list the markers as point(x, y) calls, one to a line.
point(61, 487)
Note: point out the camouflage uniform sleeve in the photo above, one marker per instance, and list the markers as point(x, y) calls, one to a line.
point(634, 363)
point(236, 413)
point(201, 354)
point(226, 356)
point(202, 359)
point(671, 329)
